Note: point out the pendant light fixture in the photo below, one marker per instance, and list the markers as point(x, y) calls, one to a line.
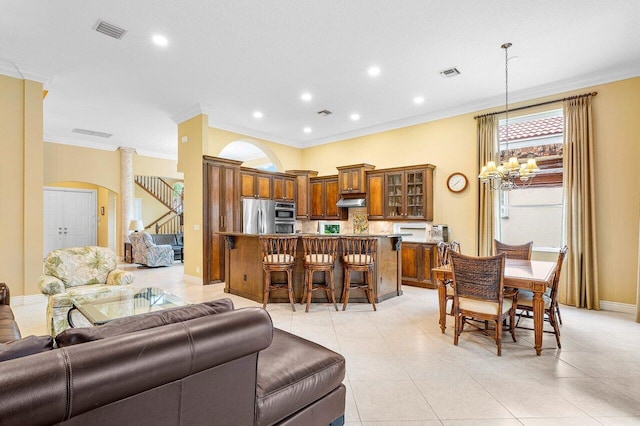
point(510, 174)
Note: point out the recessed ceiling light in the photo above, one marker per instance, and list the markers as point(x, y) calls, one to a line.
point(306, 96)
point(160, 40)
point(374, 71)
point(418, 100)
point(355, 116)
point(257, 114)
point(307, 130)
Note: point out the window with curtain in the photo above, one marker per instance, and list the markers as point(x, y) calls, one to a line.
point(536, 212)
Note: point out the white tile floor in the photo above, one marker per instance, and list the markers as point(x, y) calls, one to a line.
point(401, 370)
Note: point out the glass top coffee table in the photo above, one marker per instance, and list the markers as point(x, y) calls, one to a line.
point(102, 307)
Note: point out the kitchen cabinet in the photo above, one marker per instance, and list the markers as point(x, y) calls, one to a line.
point(303, 185)
point(353, 178)
point(255, 185)
point(417, 261)
point(324, 194)
point(222, 212)
point(284, 188)
point(407, 193)
point(375, 195)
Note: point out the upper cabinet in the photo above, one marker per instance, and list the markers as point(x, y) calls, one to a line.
point(324, 194)
point(352, 178)
point(403, 193)
point(284, 188)
point(303, 185)
point(255, 184)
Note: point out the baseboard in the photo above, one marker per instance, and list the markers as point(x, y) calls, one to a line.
point(31, 299)
point(627, 308)
point(192, 279)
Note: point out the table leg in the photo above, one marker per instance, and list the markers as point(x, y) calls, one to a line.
point(442, 303)
point(538, 319)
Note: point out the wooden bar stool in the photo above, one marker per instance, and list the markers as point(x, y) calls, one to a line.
point(278, 254)
point(319, 256)
point(358, 255)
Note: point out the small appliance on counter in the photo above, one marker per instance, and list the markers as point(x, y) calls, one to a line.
point(439, 233)
point(413, 232)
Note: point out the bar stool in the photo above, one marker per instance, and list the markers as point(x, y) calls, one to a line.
point(319, 256)
point(278, 254)
point(358, 255)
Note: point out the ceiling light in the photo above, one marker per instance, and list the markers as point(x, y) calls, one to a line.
point(306, 97)
point(374, 71)
point(307, 130)
point(418, 100)
point(355, 116)
point(160, 40)
point(257, 114)
point(511, 174)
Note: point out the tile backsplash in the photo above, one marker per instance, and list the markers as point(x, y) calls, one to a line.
point(357, 215)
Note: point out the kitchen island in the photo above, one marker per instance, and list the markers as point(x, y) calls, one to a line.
point(244, 275)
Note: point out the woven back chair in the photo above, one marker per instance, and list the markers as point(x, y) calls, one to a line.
point(320, 254)
point(551, 310)
point(278, 254)
point(522, 251)
point(479, 293)
point(358, 255)
point(444, 258)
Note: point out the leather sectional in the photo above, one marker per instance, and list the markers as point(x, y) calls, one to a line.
point(199, 364)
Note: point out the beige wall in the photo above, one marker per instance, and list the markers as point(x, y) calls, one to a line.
point(190, 163)
point(21, 218)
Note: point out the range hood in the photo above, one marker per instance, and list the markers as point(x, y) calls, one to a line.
point(351, 202)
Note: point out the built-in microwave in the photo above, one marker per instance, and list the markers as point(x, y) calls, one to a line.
point(285, 227)
point(285, 211)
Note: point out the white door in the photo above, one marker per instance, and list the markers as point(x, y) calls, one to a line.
point(69, 218)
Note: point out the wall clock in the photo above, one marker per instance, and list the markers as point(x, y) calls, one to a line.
point(457, 182)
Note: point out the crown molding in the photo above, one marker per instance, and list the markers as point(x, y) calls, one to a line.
point(13, 70)
point(155, 154)
point(253, 133)
point(63, 140)
point(187, 113)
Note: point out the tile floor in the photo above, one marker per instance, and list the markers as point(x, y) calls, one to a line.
point(401, 370)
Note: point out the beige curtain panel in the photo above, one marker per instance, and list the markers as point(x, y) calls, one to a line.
point(488, 149)
point(582, 264)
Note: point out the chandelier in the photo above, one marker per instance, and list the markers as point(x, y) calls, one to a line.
point(510, 174)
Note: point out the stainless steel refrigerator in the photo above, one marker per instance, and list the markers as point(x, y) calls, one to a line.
point(258, 216)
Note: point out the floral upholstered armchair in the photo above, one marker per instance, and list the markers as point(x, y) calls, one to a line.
point(146, 252)
point(74, 272)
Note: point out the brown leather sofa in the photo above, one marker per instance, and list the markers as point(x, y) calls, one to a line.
point(227, 368)
point(8, 328)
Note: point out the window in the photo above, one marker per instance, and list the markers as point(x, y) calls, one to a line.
point(534, 213)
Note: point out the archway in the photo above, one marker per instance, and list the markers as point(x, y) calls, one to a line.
point(253, 154)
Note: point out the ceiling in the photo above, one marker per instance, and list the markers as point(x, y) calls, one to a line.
point(230, 58)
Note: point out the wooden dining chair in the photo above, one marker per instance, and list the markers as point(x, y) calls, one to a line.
point(444, 258)
point(521, 251)
point(278, 254)
point(478, 293)
point(551, 311)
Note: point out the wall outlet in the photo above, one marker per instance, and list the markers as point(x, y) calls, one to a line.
point(196, 227)
point(197, 269)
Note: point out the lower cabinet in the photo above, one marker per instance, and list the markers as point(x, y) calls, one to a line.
point(417, 261)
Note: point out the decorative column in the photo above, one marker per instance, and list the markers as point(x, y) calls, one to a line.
point(126, 192)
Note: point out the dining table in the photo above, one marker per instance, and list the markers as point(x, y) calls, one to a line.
point(534, 275)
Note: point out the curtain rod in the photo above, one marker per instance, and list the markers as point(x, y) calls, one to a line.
point(584, 95)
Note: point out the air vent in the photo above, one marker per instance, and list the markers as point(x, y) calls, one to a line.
point(110, 30)
point(450, 72)
point(324, 112)
point(92, 133)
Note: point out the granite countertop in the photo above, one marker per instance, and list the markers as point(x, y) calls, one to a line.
point(315, 235)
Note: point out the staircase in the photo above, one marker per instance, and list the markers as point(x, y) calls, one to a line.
point(171, 222)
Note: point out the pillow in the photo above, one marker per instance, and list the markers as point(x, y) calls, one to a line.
point(74, 336)
point(26, 346)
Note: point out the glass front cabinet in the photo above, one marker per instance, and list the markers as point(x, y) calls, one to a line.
point(407, 193)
